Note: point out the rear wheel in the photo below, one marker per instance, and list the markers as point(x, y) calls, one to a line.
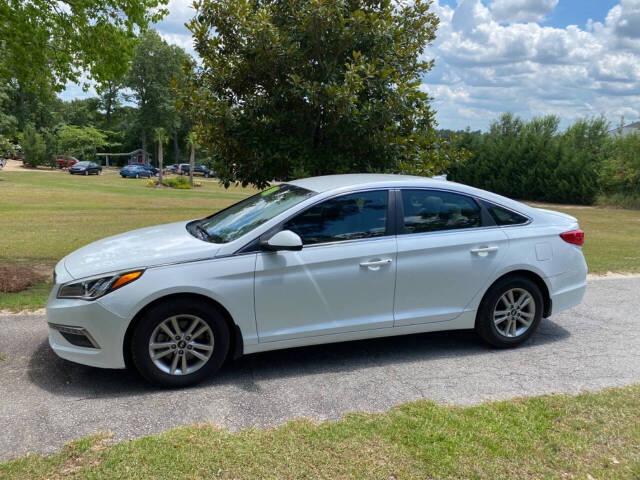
point(180, 343)
point(510, 312)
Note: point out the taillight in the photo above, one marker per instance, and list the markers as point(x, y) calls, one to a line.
point(574, 236)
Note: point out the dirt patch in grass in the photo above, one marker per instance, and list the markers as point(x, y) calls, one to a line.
point(16, 278)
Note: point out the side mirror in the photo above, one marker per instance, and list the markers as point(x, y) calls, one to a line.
point(283, 240)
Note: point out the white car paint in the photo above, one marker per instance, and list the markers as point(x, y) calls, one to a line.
point(341, 291)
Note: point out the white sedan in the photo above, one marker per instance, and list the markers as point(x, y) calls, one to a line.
point(318, 260)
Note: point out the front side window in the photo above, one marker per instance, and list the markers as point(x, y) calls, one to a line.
point(433, 210)
point(244, 216)
point(348, 217)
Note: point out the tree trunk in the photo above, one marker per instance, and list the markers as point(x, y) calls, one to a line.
point(22, 110)
point(176, 148)
point(160, 162)
point(144, 145)
point(192, 163)
point(107, 116)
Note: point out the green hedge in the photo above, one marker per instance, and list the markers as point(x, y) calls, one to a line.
point(534, 160)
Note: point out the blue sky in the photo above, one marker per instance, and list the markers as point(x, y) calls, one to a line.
point(571, 58)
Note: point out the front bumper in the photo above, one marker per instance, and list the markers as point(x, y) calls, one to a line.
point(104, 331)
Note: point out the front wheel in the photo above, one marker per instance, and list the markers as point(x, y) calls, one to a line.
point(510, 312)
point(86, 172)
point(180, 343)
point(137, 175)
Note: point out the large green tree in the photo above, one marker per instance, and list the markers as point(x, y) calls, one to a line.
point(47, 43)
point(298, 87)
point(155, 67)
point(82, 142)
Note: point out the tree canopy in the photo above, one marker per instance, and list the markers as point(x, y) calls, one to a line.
point(47, 43)
point(300, 87)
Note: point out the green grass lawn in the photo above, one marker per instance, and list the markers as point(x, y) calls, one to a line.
point(45, 215)
point(592, 435)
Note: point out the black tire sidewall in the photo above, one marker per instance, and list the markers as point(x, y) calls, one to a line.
point(159, 313)
point(484, 321)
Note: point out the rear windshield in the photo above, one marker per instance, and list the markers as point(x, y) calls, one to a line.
point(233, 222)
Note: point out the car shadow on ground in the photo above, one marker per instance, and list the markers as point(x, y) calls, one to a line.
point(62, 377)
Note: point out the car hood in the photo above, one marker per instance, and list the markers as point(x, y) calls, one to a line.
point(141, 248)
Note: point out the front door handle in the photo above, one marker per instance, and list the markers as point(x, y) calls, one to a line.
point(375, 264)
point(484, 250)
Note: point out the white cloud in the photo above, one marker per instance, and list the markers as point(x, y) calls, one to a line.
point(485, 67)
point(511, 11)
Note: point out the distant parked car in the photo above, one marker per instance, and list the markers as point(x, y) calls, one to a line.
point(198, 169)
point(135, 171)
point(66, 162)
point(171, 168)
point(154, 171)
point(181, 168)
point(85, 168)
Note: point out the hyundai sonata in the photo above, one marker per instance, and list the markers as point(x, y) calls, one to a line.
point(318, 260)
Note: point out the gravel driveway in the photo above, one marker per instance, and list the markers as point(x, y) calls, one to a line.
point(47, 401)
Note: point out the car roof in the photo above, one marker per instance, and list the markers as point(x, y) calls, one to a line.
point(359, 180)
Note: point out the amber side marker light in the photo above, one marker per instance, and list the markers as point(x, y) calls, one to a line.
point(126, 278)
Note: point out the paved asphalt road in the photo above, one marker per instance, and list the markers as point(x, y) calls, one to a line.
point(47, 401)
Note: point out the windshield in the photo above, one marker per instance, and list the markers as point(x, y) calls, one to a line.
point(233, 222)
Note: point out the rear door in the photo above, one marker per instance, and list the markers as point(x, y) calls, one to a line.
point(448, 248)
point(343, 278)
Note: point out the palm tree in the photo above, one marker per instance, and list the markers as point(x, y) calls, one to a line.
point(191, 141)
point(160, 136)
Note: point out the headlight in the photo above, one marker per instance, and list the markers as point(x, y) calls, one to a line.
point(96, 287)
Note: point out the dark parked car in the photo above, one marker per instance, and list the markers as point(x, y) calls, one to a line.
point(181, 168)
point(135, 171)
point(198, 169)
point(85, 168)
point(154, 171)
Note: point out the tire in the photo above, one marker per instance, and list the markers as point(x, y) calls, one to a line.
point(187, 311)
point(137, 175)
point(497, 300)
point(86, 173)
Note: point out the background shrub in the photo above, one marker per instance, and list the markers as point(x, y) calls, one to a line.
point(181, 183)
point(533, 160)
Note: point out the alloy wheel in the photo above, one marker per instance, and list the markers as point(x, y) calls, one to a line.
point(181, 344)
point(514, 312)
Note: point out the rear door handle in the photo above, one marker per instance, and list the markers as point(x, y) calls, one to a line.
point(376, 264)
point(481, 250)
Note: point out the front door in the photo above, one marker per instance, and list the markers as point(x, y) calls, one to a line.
point(341, 281)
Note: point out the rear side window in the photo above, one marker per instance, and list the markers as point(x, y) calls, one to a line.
point(503, 216)
point(348, 217)
point(432, 211)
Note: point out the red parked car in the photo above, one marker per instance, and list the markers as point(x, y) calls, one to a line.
point(66, 162)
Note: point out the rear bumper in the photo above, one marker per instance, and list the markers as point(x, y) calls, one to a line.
point(567, 289)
